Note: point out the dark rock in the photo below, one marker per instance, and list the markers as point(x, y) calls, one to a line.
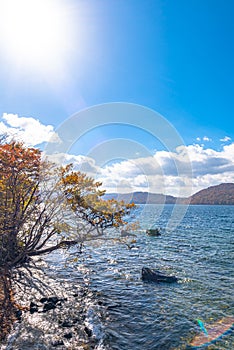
point(66, 324)
point(68, 335)
point(153, 232)
point(18, 314)
point(43, 300)
point(51, 303)
point(153, 275)
point(78, 320)
point(32, 304)
point(33, 307)
point(88, 331)
point(75, 295)
point(48, 306)
point(53, 300)
point(58, 343)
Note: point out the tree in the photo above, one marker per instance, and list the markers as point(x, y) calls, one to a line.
point(44, 207)
point(84, 198)
point(19, 179)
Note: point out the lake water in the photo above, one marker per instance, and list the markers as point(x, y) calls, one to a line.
point(125, 313)
point(151, 316)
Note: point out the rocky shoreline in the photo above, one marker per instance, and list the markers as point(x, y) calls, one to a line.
point(69, 318)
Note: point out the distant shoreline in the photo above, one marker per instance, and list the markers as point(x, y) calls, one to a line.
point(222, 194)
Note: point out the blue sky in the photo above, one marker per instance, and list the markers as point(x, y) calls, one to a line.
point(174, 57)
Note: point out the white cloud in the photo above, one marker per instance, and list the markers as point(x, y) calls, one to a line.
point(168, 172)
point(206, 138)
point(29, 130)
point(81, 163)
point(165, 172)
point(226, 139)
point(180, 173)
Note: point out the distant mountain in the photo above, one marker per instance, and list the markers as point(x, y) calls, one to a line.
point(142, 198)
point(220, 194)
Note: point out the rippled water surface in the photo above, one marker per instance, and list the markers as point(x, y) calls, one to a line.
point(124, 313)
point(163, 316)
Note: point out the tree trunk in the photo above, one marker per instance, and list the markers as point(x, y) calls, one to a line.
point(7, 308)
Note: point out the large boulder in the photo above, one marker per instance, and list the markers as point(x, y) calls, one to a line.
point(152, 275)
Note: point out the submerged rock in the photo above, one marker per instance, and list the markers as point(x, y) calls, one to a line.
point(152, 275)
point(153, 232)
point(127, 234)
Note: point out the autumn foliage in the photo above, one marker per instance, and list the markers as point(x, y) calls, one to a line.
point(19, 178)
point(44, 207)
point(84, 198)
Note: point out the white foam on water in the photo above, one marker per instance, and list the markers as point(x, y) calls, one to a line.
point(93, 322)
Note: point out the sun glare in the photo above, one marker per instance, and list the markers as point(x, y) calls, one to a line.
point(34, 33)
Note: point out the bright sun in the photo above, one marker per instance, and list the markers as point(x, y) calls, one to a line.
point(34, 33)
